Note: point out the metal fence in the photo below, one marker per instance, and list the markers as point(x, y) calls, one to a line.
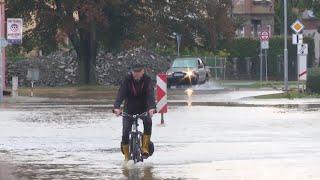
point(217, 66)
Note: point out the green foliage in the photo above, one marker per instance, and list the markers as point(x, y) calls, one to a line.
point(313, 80)
point(199, 52)
point(13, 54)
point(245, 47)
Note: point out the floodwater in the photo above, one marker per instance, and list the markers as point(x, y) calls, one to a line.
point(199, 141)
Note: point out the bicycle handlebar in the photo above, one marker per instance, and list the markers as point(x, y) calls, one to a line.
point(136, 116)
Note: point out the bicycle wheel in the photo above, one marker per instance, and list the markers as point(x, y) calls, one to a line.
point(139, 152)
point(132, 147)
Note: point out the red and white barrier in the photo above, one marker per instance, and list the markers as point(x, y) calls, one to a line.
point(162, 104)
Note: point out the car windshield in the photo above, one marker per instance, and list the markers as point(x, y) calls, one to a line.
point(184, 63)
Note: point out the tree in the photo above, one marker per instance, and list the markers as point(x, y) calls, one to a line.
point(114, 25)
point(316, 8)
point(194, 20)
point(279, 16)
point(79, 20)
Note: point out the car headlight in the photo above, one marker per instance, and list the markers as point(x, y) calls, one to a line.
point(169, 73)
point(189, 73)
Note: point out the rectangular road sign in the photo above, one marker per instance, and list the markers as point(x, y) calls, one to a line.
point(302, 49)
point(14, 30)
point(264, 44)
point(297, 39)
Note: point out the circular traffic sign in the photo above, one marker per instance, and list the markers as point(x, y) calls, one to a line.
point(14, 27)
point(264, 36)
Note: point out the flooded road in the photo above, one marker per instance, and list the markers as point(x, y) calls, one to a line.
point(204, 141)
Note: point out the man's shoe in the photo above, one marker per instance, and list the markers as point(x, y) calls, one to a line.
point(125, 149)
point(145, 146)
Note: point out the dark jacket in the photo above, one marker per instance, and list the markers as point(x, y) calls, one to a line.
point(138, 96)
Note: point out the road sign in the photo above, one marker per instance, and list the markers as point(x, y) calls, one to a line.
point(297, 39)
point(33, 74)
point(302, 49)
point(264, 36)
point(162, 106)
point(264, 44)
point(297, 26)
point(14, 30)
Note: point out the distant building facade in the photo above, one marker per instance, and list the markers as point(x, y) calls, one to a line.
point(312, 30)
point(256, 15)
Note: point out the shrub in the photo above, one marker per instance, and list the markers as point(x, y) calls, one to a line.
point(313, 80)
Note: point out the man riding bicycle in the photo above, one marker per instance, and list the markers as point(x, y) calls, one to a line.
point(137, 92)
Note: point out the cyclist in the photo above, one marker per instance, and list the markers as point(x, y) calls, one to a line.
point(137, 92)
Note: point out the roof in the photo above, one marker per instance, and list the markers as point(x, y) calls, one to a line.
point(310, 24)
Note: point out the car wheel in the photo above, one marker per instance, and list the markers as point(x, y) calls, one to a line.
point(195, 80)
point(207, 77)
point(168, 85)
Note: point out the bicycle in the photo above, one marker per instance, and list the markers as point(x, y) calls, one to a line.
point(135, 138)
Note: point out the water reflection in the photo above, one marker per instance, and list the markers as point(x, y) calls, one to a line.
point(189, 93)
point(137, 173)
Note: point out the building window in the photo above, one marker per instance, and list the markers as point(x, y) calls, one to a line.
point(240, 32)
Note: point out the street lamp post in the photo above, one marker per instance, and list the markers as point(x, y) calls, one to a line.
point(178, 43)
point(285, 46)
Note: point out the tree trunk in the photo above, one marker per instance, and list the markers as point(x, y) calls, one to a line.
point(87, 56)
point(212, 34)
point(93, 54)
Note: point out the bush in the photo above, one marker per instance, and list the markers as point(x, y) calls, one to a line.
point(313, 80)
point(247, 47)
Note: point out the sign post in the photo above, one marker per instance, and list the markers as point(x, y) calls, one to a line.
point(162, 105)
point(33, 76)
point(264, 42)
point(15, 84)
point(302, 52)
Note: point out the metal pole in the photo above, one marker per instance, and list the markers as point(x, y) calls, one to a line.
point(260, 62)
point(3, 44)
point(162, 118)
point(298, 82)
point(285, 46)
point(2, 35)
point(178, 50)
point(224, 68)
point(266, 56)
point(178, 42)
point(31, 88)
point(215, 67)
point(1, 77)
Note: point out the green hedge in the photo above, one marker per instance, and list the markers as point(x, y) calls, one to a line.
point(245, 47)
point(313, 80)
